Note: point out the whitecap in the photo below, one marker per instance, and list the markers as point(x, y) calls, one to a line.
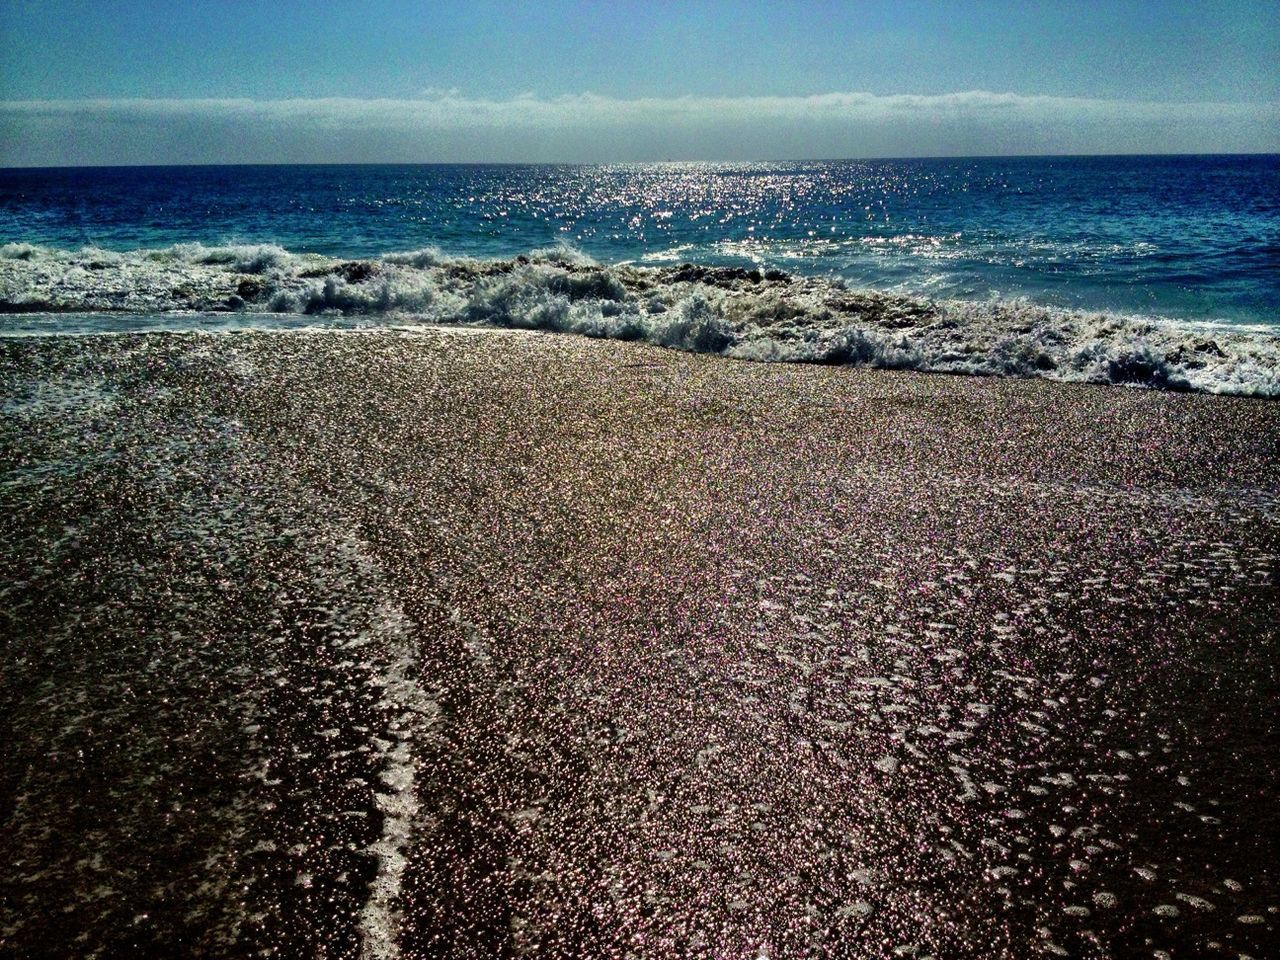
point(746, 314)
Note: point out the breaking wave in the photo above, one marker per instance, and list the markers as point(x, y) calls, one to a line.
point(734, 312)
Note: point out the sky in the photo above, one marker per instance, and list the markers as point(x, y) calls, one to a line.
point(225, 81)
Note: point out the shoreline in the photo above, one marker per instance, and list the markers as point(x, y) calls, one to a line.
point(753, 314)
point(416, 643)
point(304, 325)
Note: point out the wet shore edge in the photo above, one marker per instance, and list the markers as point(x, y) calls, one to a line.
point(409, 643)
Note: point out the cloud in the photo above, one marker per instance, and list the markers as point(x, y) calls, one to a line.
point(446, 125)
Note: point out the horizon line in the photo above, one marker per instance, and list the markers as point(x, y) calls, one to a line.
point(673, 162)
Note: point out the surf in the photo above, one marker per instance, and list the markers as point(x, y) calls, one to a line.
point(741, 313)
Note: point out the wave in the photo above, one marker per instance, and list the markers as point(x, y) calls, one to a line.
point(742, 313)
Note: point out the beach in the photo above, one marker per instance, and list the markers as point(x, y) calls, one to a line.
point(478, 643)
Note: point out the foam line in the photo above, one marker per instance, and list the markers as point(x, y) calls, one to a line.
point(745, 314)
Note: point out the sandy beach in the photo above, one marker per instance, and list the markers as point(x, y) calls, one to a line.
point(494, 643)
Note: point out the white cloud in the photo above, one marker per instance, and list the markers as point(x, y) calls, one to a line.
point(445, 125)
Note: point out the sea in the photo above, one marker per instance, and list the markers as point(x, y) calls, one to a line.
point(1117, 268)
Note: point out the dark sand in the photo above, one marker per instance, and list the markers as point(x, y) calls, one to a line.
point(450, 645)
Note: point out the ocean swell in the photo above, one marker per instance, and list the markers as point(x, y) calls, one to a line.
point(734, 312)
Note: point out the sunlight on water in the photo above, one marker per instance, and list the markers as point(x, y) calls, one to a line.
point(1192, 237)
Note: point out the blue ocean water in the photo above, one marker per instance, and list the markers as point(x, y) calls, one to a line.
point(1192, 237)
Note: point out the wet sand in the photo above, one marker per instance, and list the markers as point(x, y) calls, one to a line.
point(442, 644)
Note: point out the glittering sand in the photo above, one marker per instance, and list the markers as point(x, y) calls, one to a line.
point(445, 645)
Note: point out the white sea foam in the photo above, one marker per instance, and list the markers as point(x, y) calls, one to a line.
point(737, 313)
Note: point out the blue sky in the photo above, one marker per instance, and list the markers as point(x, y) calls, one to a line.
point(99, 81)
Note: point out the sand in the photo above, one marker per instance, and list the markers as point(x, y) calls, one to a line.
point(443, 644)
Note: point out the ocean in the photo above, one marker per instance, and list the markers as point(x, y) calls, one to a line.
point(1161, 269)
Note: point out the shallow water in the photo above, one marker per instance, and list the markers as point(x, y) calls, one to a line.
point(746, 314)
